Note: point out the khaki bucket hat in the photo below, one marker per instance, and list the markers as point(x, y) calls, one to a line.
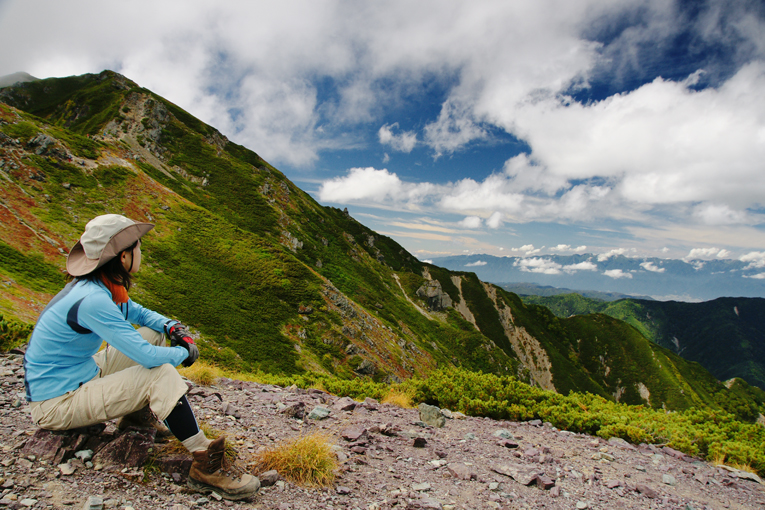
point(104, 238)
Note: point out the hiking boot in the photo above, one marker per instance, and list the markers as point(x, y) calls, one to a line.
point(144, 418)
point(207, 474)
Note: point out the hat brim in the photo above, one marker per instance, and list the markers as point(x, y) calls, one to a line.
point(78, 264)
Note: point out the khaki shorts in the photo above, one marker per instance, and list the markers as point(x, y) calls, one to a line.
point(121, 387)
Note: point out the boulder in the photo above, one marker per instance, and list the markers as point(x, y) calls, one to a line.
point(521, 474)
point(319, 413)
point(431, 415)
point(355, 434)
point(295, 410)
point(268, 478)
point(435, 296)
point(345, 404)
point(131, 449)
point(56, 447)
point(462, 471)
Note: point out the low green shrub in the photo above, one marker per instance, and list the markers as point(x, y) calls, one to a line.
point(13, 334)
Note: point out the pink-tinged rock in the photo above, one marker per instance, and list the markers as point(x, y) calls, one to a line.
point(508, 444)
point(519, 473)
point(646, 491)
point(621, 443)
point(56, 447)
point(555, 492)
point(462, 471)
point(545, 482)
point(175, 465)
point(354, 434)
point(345, 404)
point(359, 450)
point(389, 430)
point(268, 478)
point(426, 504)
point(613, 484)
point(131, 449)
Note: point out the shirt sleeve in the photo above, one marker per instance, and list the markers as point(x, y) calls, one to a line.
point(141, 316)
point(100, 315)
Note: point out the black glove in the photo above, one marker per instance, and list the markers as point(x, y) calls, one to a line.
point(179, 336)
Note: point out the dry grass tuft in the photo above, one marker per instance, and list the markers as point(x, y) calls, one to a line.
point(718, 459)
point(175, 447)
point(306, 460)
point(744, 467)
point(399, 398)
point(202, 373)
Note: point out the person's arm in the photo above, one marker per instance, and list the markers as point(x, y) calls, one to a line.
point(142, 316)
point(100, 315)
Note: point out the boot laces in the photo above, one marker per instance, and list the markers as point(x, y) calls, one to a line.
point(218, 461)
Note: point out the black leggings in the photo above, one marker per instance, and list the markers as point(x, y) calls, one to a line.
point(181, 421)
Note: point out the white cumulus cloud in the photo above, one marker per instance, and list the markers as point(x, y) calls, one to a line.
point(403, 142)
point(617, 273)
point(756, 259)
point(581, 266)
point(706, 254)
point(567, 248)
point(477, 263)
point(470, 222)
point(538, 265)
point(495, 220)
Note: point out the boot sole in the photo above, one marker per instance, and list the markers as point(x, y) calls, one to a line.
point(207, 489)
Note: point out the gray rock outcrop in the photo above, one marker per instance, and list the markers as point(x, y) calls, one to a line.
point(437, 299)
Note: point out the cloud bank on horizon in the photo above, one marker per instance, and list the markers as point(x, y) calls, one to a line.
point(641, 122)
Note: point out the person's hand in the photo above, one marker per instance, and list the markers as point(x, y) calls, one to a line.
point(179, 336)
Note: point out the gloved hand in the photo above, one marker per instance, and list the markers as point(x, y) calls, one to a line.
point(179, 336)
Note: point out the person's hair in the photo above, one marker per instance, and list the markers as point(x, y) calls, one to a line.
point(113, 271)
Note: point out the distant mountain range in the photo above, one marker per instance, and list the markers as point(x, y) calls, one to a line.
point(532, 289)
point(662, 279)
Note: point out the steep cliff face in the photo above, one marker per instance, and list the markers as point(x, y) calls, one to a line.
point(527, 348)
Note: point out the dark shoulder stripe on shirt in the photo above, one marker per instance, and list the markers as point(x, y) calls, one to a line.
point(71, 319)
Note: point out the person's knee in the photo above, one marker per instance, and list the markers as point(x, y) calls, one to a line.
point(168, 372)
point(151, 336)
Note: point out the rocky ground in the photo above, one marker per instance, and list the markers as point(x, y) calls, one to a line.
point(389, 459)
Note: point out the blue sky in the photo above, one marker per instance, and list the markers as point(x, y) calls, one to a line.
point(507, 128)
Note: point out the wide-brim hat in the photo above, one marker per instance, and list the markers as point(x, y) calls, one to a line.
point(104, 238)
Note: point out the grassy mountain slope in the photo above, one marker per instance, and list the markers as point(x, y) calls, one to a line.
point(270, 279)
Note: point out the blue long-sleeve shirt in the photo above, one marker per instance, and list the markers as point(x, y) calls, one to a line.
point(59, 357)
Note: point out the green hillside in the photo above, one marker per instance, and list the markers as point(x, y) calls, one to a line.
point(724, 335)
point(271, 280)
